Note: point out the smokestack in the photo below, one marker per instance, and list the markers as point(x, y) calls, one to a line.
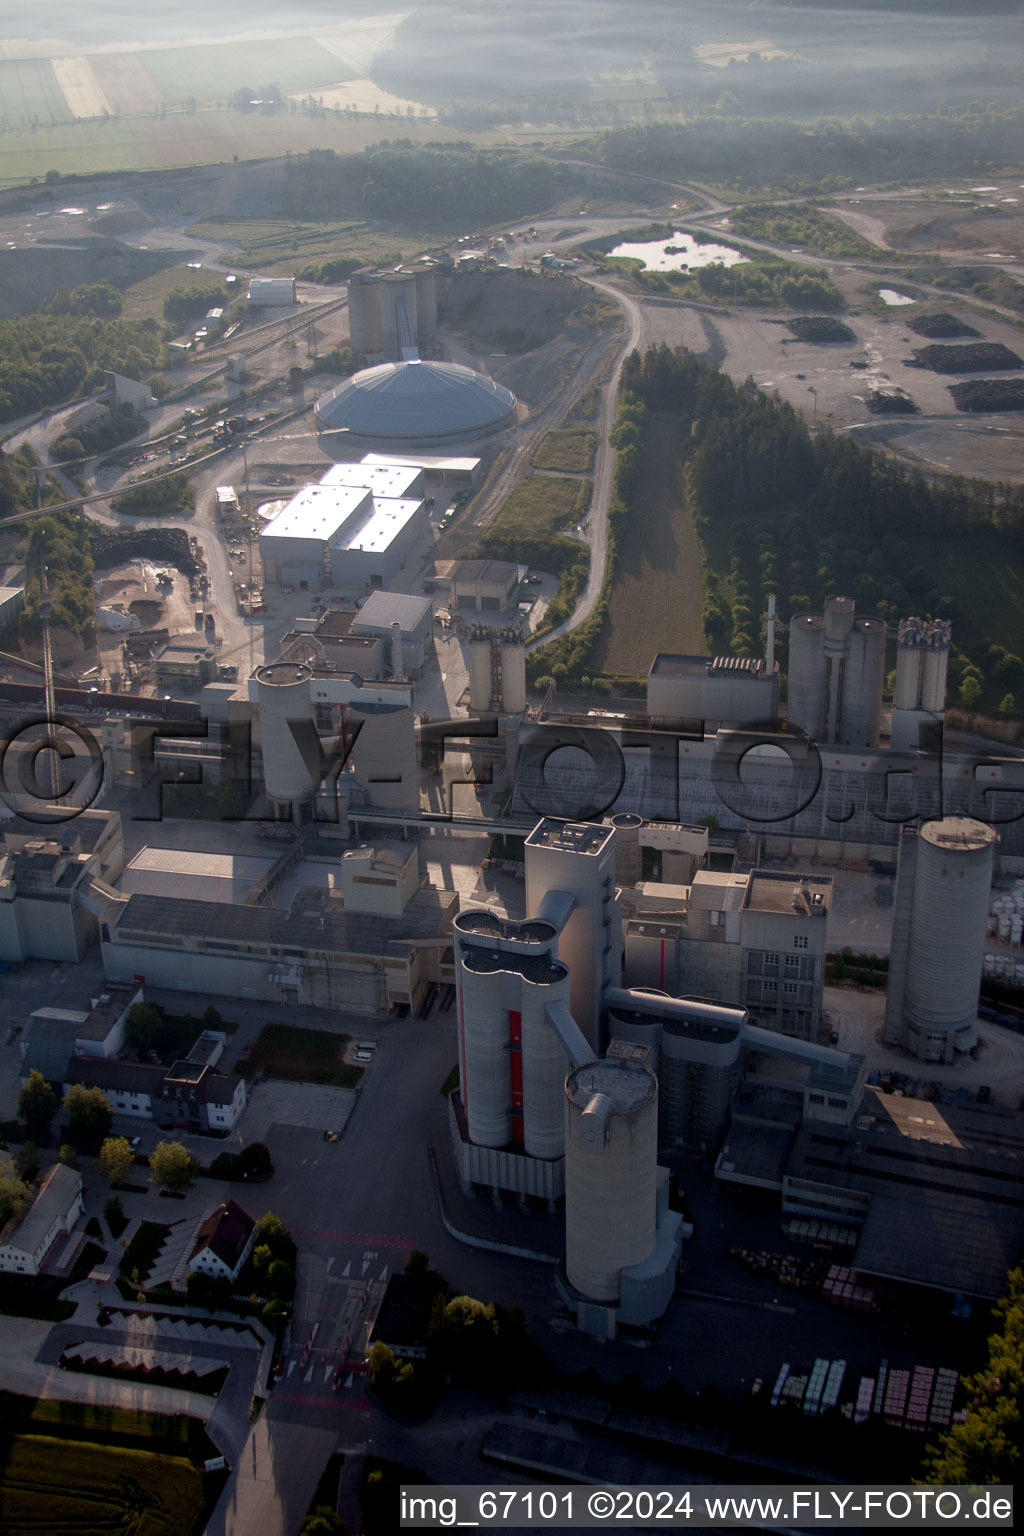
point(769, 648)
point(397, 667)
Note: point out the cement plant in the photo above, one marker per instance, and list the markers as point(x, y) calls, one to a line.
point(513, 742)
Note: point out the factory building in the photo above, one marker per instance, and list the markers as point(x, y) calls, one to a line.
point(414, 404)
point(354, 530)
point(836, 674)
point(940, 917)
point(392, 313)
point(403, 621)
point(271, 292)
point(755, 941)
point(483, 586)
point(733, 688)
point(54, 883)
point(922, 662)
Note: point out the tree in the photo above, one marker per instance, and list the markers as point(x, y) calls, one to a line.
point(281, 1279)
point(89, 1115)
point(271, 1233)
point(143, 1025)
point(970, 691)
point(37, 1105)
point(322, 1521)
point(28, 1157)
point(15, 1196)
point(1008, 705)
point(114, 1213)
point(68, 1156)
point(172, 1166)
point(115, 1159)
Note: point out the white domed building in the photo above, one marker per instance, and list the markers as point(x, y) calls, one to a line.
point(413, 405)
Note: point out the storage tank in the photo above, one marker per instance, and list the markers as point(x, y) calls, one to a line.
point(480, 669)
point(364, 312)
point(611, 1157)
point(483, 1043)
point(397, 663)
point(384, 754)
point(426, 302)
point(807, 686)
point(513, 672)
point(907, 693)
point(283, 698)
point(838, 629)
point(544, 1061)
point(863, 680)
point(948, 920)
point(628, 858)
point(935, 665)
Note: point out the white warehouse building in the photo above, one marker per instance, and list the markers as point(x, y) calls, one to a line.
point(354, 530)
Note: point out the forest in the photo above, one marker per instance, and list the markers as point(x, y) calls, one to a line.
point(789, 155)
point(779, 509)
point(63, 540)
point(61, 350)
point(439, 186)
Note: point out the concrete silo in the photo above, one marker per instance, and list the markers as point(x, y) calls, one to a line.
point(628, 858)
point(937, 641)
point(807, 685)
point(863, 681)
point(907, 692)
point(480, 666)
point(611, 1174)
point(838, 628)
point(426, 302)
point(287, 731)
point(364, 312)
point(922, 662)
point(513, 672)
point(384, 757)
point(939, 930)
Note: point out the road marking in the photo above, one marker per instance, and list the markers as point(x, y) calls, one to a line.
point(347, 1270)
point(366, 1265)
point(291, 1366)
point(384, 1273)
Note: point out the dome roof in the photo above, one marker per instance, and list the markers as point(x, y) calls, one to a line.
point(414, 402)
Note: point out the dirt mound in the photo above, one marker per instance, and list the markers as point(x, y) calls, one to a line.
point(988, 395)
point(975, 357)
point(32, 274)
point(937, 326)
point(819, 328)
point(122, 221)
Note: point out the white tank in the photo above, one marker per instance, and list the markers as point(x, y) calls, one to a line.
point(545, 1064)
point(863, 680)
point(628, 858)
point(947, 925)
point(1016, 928)
point(483, 1040)
point(384, 755)
point(935, 664)
point(283, 697)
point(990, 964)
point(993, 921)
point(513, 673)
point(480, 670)
point(1003, 927)
point(807, 686)
point(611, 1158)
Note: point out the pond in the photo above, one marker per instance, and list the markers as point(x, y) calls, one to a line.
point(890, 296)
point(680, 253)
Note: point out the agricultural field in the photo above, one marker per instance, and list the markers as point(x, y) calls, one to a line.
point(570, 451)
point(53, 1486)
point(657, 597)
point(30, 94)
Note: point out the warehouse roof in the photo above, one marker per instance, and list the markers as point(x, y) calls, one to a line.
point(382, 609)
point(317, 512)
point(59, 1190)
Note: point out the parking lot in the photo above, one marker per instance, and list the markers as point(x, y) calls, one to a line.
point(304, 1105)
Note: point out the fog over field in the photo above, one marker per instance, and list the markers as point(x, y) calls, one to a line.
point(743, 57)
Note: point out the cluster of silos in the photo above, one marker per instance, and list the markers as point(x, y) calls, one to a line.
point(922, 661)
point(948, 923)
point(512, 1063)
point(388, 311)
point(611, 1174)
point(384, 756)
point(836, 674)
point(1006, 926)
point(497, 669)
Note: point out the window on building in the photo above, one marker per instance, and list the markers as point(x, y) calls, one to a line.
point(816, 1098)
point(789, 987)
point(800, 941)
point(771, 986)
point(792, 962)
point(837, 1103)
point(771, 957)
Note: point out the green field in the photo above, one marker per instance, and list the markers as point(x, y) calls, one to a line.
point(29, 94)
point(51, 1487)
point(145, 300)
point(569, 451)
point(146, 143)
point(806, 225)
point(301, 1056)
point(271, 245)
point(541, 505)
point(657, 597)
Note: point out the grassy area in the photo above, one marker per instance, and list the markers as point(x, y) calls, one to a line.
point(567, 450)
point(807, 225)
point(540, 506)
point(53, 1416)
point(147, 143)
point(657, 596)
point(144, 300)
point(141, 1253)
point(52, 1486)
point(301, 1056)
point(271, 245)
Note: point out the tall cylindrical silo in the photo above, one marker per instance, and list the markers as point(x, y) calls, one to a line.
point(907, 692)
point(863, 682)
point(480, 669)
point(611, 1164)
point(807, 686)
point(628, 858)
point(290, 758)
point(513, 673)
point(484, 1054)
point(397, 662)
point(426, 302)
point(838, 627)
point(935, 663)
point(544, 1061)
point(384, 754)
point(364, 312)
point(948, 923)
